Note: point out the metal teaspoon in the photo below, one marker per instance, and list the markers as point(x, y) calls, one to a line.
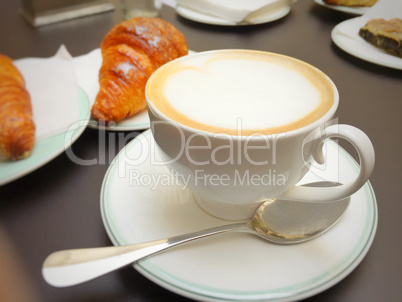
point(278, 221)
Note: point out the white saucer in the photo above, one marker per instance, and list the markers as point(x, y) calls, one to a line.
point(230, 267)
point(202, 18)
point(360, 48)
point(357, 10)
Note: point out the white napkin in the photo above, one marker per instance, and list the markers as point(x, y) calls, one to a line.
point(87, 71)
point(52, 85)
point(235, 10)
point(386, 9)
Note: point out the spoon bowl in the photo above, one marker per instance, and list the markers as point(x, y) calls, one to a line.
point(304, 221)
point(278, 221)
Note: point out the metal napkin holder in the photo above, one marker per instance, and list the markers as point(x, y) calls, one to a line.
point(43, 12)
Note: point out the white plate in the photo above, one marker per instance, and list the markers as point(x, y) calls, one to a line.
point(139, 121)
point(360, 48)
point(202, 18)
point(357, 10)
point(47, 148)
point(230, 267)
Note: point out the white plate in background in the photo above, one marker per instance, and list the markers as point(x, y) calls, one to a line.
point(360, 48)
point(202, 18)
point(355, 10)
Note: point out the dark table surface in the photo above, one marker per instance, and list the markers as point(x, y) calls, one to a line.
point(57, 206)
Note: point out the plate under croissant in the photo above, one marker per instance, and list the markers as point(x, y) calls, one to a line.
point(47, 148)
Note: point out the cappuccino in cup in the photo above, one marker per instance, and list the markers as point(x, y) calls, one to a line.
point(241, 92)
point(243, 126)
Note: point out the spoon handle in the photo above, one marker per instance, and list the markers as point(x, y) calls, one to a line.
point(71, 267)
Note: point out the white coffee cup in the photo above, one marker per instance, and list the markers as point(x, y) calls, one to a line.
point(229, 120)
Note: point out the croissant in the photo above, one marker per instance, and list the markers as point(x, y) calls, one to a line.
point(17, 128)
point(131, 52)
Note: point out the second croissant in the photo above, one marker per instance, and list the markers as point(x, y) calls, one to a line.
point(131, 52)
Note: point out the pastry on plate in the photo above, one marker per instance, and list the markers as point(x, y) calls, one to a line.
point(351, 2)
point(384, 34)
point(131, 52)
point(17, 128)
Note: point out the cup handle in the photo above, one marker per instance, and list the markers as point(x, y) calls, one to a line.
point(365, 150)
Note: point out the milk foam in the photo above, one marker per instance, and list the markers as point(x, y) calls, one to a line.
point(259, 93)
point(235, 92)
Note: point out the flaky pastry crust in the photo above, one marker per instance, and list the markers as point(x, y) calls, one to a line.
point(131, 52)
point(17, 128)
